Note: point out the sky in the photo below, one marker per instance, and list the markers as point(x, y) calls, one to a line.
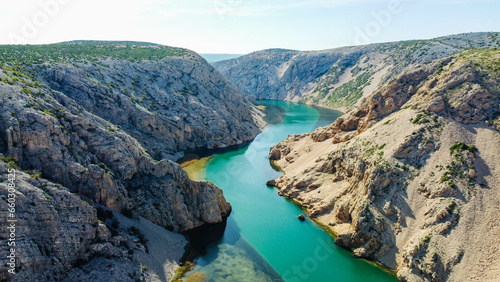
point(243, 26)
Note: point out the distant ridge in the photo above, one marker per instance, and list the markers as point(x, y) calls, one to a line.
point(136, 43)
point(212, 58)
point(338, 78)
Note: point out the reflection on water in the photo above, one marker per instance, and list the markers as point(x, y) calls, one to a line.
point(232, 259)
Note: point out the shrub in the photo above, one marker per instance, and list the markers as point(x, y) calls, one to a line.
point(452, 206)
point(12, 162)
point(460, 146)
point(445, 177)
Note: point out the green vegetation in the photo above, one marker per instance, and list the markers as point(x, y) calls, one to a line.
point(12, 162)
point(14, 74)
point(355, 71)
point(181, 271)
point(452, 206)
point(460, 169)
point(427, 239)
point(421, 118)
point(90, 51)
point(105, 167)
point(350, 92)
point(280, 50)
point(460, 146)
point(57, 113)
point(34, 174)
point(445, 177)
point(487, 61)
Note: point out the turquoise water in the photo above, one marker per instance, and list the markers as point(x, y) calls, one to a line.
point(264, 239)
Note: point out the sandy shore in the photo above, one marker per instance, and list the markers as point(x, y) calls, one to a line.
point(195, 168)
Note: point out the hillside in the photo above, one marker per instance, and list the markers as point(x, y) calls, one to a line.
point(89, 128)
point(338, 78)
point(168, 98)
point(409, 177)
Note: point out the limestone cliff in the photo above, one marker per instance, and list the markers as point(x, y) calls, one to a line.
point(409, 177)
point(338, 78)
point(97, 121)
point(169, 99)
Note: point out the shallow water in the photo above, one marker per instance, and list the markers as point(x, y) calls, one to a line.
point(264, 240)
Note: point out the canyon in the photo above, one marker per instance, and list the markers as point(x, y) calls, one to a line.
point(407, 176)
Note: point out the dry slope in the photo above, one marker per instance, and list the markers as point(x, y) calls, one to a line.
point(338, 78)
point(409, 177)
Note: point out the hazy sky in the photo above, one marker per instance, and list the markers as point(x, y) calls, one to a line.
point(242, 26)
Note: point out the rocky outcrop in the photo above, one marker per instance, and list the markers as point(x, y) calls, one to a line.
point(50, 221)
point(170, 103)
point(404, 176)
point(339, 78)
point(78, 150)
point(59, 236)
point(72, 130)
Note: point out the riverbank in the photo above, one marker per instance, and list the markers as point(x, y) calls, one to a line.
point(194, 162)
point(261, 217)
point(195, 167)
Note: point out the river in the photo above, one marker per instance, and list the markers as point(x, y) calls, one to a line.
point(264, 240)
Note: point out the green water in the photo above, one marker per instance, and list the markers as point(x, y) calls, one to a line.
point(264, 240)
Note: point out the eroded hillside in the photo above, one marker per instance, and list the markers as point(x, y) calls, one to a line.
point(91, 126)
point(168, 98)
point(338, 78)
point(409, 177)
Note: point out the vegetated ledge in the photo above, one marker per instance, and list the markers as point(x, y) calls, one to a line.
point(401, 176)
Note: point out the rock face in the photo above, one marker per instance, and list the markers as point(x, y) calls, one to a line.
point(278, 74)
point(338, 78)
point(75, 122)
point(45, 216)
point(58, 236)
point(171, 103)
point(403, 177)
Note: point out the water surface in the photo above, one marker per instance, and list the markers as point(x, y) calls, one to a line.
point(264, 240)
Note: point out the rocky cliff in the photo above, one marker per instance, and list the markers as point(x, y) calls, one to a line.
point(409, 177)
point(98, 122)
point(169, 99)
point(338, 78)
